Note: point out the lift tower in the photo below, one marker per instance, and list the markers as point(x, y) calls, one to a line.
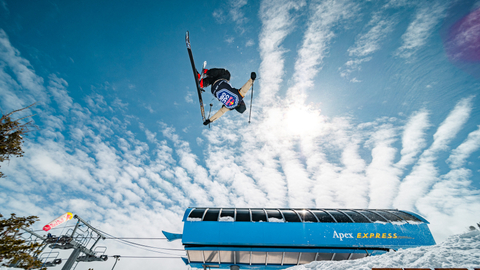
point(79, 242)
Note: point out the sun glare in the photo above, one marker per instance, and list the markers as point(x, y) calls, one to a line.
point(302, 121)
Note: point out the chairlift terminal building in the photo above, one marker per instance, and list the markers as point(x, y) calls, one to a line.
point(271, 238)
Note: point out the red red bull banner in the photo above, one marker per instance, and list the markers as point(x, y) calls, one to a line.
point(61, 219)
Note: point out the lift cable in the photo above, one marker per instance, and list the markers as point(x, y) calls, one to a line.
point(122, 239)
point(141, 246)
point(138, 257)
point(114, 238)
point(149, 257)
point(133, 244)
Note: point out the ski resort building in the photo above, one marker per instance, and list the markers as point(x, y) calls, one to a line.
point(270, 238)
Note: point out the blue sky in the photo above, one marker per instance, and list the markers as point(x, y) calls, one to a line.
point(367, 104)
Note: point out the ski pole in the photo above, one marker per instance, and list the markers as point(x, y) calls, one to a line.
point(209, 113)
point(251, 103)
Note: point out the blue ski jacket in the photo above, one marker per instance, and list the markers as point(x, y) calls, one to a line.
point(226, 94)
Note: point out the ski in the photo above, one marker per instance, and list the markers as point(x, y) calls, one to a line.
point(196, 75)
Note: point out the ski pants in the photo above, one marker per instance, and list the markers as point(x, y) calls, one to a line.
point(243, 91)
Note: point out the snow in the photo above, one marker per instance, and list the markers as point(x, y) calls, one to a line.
point(271, 219)
point(227, 218)
point(458, 251)
point(400, 222)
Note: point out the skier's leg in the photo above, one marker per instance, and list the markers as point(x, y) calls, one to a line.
point(243, 91)
point(219, 113)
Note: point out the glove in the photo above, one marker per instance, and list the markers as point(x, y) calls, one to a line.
point(207, 122)
point(253, 76)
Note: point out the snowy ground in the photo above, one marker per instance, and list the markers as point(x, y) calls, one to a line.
point(459, 251)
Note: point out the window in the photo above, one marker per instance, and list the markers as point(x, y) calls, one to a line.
point(226, 256)
point(291, 258)
point(324, 256)
point(243, 214)
point(322, 216)
point(391, 217)
point(290, 216)
point(341, 256)
point(358, 256)
point(195, 255)
point(268, 258)
point(243, 256)
point(211, 215)
point(274, 216)
point(227, 215)
point(211, 256)
point(258, 215)
point(340, 217)
point(274, 257)
point(372, 216)
point(258, 257)
point(406, 216)
point(307, 257)
point(197, 213)
point(306, 216)
point(356, 216)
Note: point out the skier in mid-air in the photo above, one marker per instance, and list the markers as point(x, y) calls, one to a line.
point(231, 98)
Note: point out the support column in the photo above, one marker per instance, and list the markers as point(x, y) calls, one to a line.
point(71, 260)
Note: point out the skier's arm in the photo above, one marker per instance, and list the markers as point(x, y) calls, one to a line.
point(243, 91)
point(217, 115)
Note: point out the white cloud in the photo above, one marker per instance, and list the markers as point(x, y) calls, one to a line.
point(451, 203)
point(117, 103)
point(149, 108)
point(151, 136)
point(449, 128)
point(23, 71)
point(290, 155)
point(189, 98)
point(462, 41)
point(277, 24)
point(96, 103)
point(236, 13)
point(421, 28)
point(219, 15)
point(367, 43)
point(326, 15)
point(230, 40)
point(57, 87)
point(100, 172)
point(382, 175)
point(22, 82)
point(413, 138)
point(463, 151)
point(425, 173)
point(233, 12)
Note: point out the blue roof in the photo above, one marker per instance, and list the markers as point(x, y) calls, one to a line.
point(210, 232)
point(300, 215)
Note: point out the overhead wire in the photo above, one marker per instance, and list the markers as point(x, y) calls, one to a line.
point(149, 257)
point(144, 247)
point(122, 239)
point(136, 245)
point(137, 257)
point(110, 238)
